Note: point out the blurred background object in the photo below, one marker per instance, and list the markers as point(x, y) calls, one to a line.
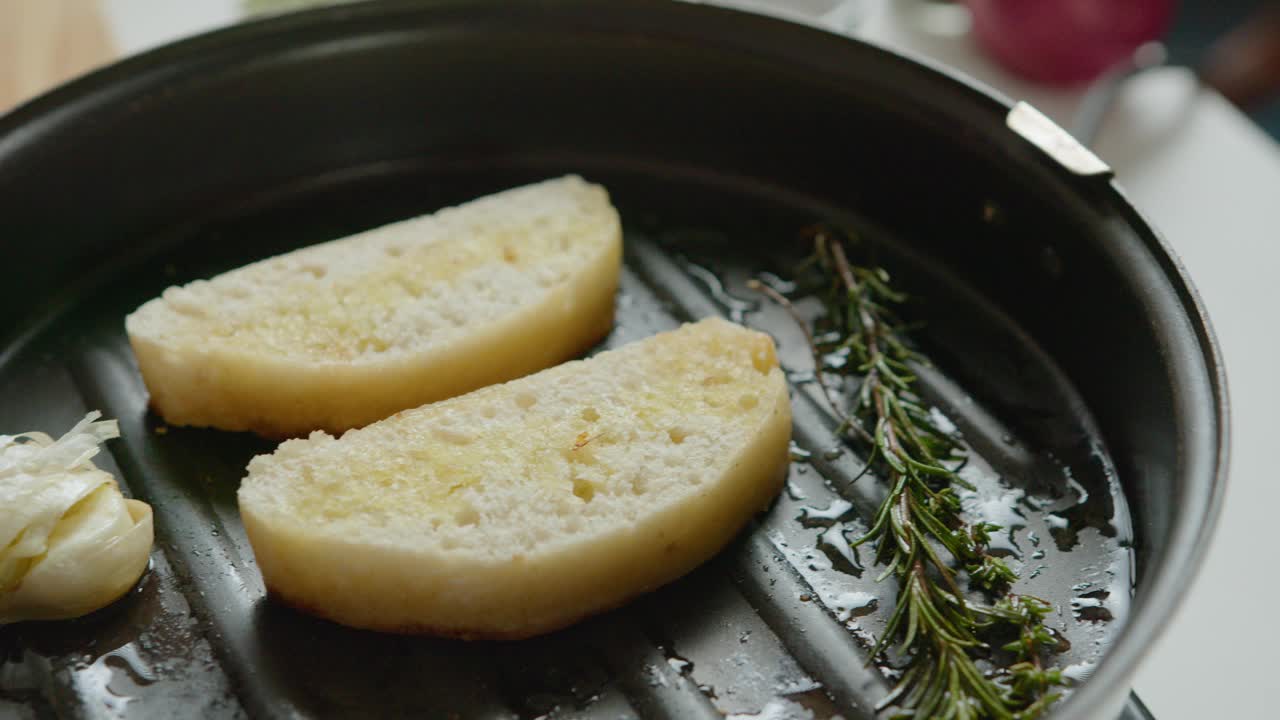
point(1236, 46)
point(43, 42)
point(1066, 42)
point(1245, 64)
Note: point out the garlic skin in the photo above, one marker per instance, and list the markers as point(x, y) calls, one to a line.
point(70, 543)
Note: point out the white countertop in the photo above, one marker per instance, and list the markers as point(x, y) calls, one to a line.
point(1209, 179)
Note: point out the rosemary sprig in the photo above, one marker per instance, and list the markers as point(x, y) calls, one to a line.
point(918, 532)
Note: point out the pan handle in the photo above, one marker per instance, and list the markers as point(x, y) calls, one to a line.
point(1036, 128)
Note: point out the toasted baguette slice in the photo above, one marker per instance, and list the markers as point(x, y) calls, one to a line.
point(340, 334)
point(520, 508)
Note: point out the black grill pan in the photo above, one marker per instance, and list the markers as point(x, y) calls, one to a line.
point(1070, 348)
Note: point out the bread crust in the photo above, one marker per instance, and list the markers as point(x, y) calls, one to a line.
point(303, 594)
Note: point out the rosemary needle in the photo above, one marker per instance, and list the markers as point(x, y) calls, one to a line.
point(919, 535)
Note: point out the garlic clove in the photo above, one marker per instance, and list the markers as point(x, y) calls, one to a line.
point(97, 551)
point(70, 542)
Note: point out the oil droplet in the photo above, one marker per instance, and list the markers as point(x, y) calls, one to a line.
point(1002, 509)
point(828, 338)
point(1003, 545)
point(836, 545)
point(1082, 495)
point(680, 665)
point(776, 709)
point(794, 491)
point(801, 377)
point(836, 360)
point(114, 680)
point(1060, 529)
point(854, 604)
point(815, 517)
point(942, 422)
point(796, 686)
point(126, 660)
point(1079, 672)
point(736, 307)
point(778, 284)
point(1090, 607)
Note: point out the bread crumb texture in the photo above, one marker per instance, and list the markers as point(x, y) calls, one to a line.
point(293, 341)
point(604, 477)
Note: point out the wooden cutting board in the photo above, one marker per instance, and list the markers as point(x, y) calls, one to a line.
point(45, 42)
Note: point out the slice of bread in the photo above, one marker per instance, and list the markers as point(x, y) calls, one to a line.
point(520, 508)
point(341, 334)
